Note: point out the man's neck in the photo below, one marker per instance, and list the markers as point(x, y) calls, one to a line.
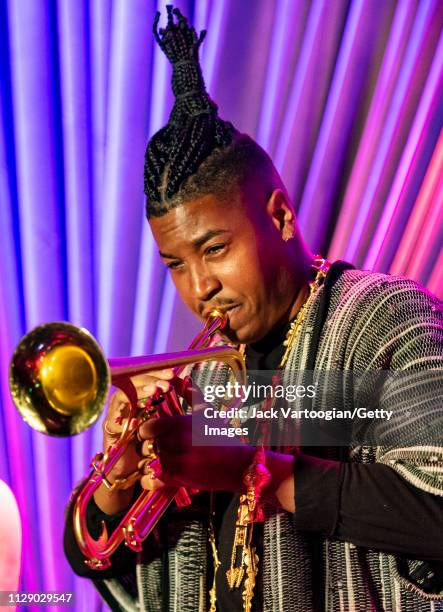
point(299, 300)
point(279, 330)
point(302, 291)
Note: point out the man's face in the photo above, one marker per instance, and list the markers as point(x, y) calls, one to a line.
point(227, 255)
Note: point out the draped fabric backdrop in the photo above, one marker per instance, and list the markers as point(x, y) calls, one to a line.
point(346, 96)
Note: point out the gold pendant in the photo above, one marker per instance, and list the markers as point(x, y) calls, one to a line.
point(251, 561)
point(216, 561)
point(242, 547)
point(235, 576)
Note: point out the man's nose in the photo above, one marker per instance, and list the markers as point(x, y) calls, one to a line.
point(204, 285)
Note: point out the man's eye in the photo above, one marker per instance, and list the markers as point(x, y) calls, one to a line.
point(174, 265)
point(216, 248)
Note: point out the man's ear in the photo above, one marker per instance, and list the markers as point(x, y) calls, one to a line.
point(280, 211)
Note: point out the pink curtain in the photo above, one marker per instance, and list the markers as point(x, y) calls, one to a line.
point(346, 95)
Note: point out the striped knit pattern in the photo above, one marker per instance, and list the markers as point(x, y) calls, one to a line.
point(149, 585)
point(374, 322)
point(187, 566)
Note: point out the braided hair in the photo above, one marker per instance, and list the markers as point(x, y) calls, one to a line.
point(194, 128)
point(196, 152)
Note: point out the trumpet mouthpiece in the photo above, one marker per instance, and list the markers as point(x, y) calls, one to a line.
point(218, 314)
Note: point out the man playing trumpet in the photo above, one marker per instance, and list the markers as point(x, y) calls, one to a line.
point(350, 528)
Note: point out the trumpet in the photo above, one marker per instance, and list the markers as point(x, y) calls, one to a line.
point(59, 381)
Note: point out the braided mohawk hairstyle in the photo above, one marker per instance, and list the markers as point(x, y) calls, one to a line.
point(194, 129)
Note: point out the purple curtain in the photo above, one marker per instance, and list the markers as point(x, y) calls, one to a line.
point(346, 96)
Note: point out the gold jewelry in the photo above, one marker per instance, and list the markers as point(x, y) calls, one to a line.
point(321, 266)
point(288, 232)
point(255, 478)
point(109, 431)
point(150, 464)
point(152, 448)
point(217, 563)
point(121, 482)
point(155, 469)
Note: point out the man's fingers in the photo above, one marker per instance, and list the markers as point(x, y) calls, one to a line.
point(151, 484)
point(156, 427)
point(148, 389)
point(172, 430)
point(151, 476)
point(117, 398)
point(145, 385)
point(142, 379)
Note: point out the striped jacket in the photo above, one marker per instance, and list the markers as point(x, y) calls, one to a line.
point(373, 322)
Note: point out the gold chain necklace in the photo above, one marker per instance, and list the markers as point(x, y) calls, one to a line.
point(321, 266)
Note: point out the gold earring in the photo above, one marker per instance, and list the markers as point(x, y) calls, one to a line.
point(288, 233)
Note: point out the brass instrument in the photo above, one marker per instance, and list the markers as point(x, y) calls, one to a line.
point(59, 381)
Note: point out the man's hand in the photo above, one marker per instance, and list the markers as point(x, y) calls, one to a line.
point(210, 468)
point(146, 385)
point(183, 464)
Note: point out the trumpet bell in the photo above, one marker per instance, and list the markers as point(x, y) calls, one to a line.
point(59, 379)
